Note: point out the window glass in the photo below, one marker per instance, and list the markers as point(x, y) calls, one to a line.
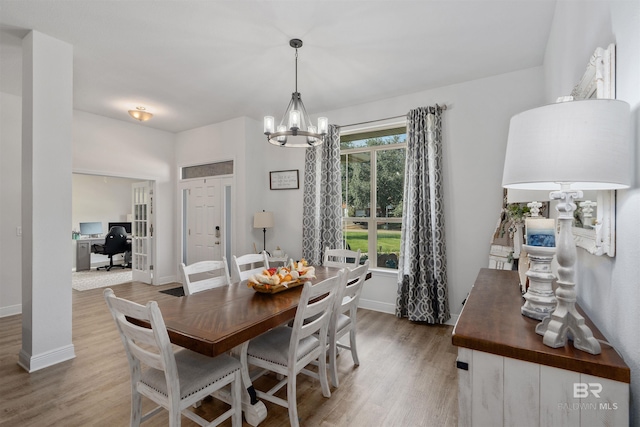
point(356, 184)
point(372, 167)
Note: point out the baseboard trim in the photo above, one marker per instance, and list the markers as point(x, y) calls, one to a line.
point(382, 307)
point(11, 310)
point(32, 363)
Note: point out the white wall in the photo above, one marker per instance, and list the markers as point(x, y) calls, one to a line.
point(101, 146)
point(475, 128)
point(10, 202)
point(607, 287)
point(216, 143)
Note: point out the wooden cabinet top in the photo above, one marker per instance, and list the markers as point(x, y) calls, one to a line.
point(491, 322)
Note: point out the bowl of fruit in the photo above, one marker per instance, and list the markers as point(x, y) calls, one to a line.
point(278, 279)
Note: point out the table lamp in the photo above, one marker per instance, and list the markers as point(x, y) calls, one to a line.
point(263, 220)
point(569, 146)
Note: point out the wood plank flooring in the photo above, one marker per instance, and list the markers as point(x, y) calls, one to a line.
point(407, 376)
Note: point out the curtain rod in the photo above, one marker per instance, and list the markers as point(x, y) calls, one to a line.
point(441, 107)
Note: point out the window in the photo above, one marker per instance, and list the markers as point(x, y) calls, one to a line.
point(372, 166)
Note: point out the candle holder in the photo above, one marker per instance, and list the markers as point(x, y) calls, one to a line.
point(540, 298)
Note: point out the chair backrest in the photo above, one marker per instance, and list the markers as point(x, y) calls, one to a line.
point(146, 346)
point(353, 289)
point(314, 311)
point(115, 241)
point(244, 266)
point(204, 275)
point(341, 258)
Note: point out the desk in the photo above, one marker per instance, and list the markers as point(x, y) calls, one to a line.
point(219, 320)
point(83, 252)
point(507, 376)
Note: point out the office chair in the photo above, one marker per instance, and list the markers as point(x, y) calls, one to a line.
point(115, 243)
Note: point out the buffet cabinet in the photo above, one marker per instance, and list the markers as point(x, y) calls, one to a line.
point(508, 377)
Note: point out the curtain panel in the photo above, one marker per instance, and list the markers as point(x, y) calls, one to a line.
point(422, 277)
point(322, 209)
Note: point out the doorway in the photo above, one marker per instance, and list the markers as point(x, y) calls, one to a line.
point(105, 200)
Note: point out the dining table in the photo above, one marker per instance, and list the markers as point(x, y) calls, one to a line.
point(226, 318)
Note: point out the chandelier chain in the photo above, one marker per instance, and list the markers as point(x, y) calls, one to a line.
point(296, 70)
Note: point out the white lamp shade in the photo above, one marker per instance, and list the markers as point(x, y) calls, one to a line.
point(263, 220)
point(585, 143)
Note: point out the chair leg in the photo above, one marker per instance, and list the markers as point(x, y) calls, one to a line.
point(236, 385)
point(333, 365)
point(291, 399)
point(110, 263)
point(136, 408)
point(352, 344)
point(322, 374)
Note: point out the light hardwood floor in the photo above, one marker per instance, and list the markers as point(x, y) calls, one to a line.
point(407, 375)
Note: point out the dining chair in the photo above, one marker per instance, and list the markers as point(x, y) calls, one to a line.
point(343, 319)
point(288, 350)
point(204, 275)
point(245, 266)
point(341, 258)
point(174, 381)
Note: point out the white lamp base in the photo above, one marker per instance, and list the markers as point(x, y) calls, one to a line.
point(540, 299)
point(565, 321)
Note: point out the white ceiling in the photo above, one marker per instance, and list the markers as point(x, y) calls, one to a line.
point(193, 63)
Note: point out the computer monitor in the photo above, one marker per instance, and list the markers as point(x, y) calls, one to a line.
point(126, 225)
point(93, 229)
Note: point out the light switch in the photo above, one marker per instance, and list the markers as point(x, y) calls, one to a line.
point(18, 231)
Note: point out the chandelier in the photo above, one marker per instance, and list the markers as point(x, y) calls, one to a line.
point(295, 128)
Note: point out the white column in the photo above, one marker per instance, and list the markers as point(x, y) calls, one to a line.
point(47, 107)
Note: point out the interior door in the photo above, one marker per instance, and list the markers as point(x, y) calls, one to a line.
point(204, 220)
point(142, 232)
point(207, 218)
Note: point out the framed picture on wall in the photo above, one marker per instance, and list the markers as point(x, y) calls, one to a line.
point(284, 180)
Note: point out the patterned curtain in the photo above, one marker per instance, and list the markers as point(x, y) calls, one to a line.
point(322, 210)
point(422, 276)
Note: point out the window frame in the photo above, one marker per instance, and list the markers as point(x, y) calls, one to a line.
point(373, 221)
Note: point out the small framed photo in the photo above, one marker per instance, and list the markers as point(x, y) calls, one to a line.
point(284, 180)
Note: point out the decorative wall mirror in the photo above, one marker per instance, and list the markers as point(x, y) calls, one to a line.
point(596, 232)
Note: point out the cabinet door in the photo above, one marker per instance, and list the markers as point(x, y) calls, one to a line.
point(83, 256)
point(487, 388)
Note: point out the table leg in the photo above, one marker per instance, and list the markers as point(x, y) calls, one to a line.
point(254, 410)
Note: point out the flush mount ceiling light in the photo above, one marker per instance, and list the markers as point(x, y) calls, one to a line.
point(295, 128)
point(141, 114)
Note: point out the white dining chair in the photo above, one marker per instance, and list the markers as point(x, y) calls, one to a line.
point(244, 266)
point(174, 381)
point(288, 350)
point(344, 319)
point(204, 275)
point(341, 258)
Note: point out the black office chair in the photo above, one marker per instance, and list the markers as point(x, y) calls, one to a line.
point(114, 243)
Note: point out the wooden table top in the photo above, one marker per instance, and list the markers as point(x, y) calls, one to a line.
point(491, 322)
point(215, 321)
